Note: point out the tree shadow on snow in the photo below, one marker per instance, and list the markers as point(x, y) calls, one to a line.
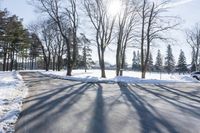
point(50, 106)
point(149, 118)
point(176, 98)
point(98, 122)
point(45, 107)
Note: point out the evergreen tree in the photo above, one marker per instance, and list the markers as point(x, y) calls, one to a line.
point(150, 63)
point(182, 66)
point(138, 60)
point(193, 68)
point(14, 37)
point(169, 60)
point(159, 62)
point(87, 57)
point(134, 60)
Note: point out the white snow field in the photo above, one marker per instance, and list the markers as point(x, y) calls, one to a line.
point(12, 92)
point(128, 76)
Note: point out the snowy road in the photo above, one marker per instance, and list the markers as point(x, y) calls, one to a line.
point(62, 106)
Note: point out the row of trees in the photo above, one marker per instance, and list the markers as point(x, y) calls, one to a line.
point(14, 38)
point(22, 49)
point(54, 48)
point(58, 35)
point(138, 24)
point(57, 41)
point(168, 66)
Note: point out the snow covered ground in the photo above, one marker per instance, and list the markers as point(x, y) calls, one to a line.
point(12, 92)
point(12, 89)
point(128, 77)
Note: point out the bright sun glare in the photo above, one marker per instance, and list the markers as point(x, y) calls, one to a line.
point(114, 7)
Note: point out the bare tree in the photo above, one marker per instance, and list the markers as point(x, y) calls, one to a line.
point(51, 43)
point(35, 50)
point(127, 19)
point(154, 26)
point(193, 39)
point(103, 25)
point(61, 49)
point(47, 38)
point(67, 22)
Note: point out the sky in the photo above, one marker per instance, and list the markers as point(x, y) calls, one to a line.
point(21, 8)
point(187, 10)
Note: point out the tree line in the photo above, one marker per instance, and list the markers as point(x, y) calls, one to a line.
point(56, 41)
point(163, 64)
point(21, 48)
point(138, 24)
point(14, 38)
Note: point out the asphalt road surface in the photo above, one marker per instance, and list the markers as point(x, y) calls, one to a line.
point(62, 106)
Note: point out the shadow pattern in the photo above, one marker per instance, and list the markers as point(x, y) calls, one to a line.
point(150, 119)
point(51, 104)
point(48, 105)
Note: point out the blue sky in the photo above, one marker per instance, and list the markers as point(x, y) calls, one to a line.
point(188, 10)
point(21, 8)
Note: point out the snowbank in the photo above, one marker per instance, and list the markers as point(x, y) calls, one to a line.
point(12, 92)
point(129, 77)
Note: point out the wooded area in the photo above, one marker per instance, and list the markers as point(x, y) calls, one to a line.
point(56, 41)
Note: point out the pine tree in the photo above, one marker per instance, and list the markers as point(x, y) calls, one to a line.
point(159, 62)
point(134, 60)
point(150, 63)
point(87, 57)
point(169, 60)
point(138, 60)
point(182, 65)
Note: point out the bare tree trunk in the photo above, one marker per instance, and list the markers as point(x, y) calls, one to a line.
point(8, 62)
point(197, 52)
point(12, 60)
point(22, 62)
point(25, 66)
point(53, 63)
point(32, 62)
point(123, 57)
point(16, 62)
point(35, 64)
point(4, 59)
point(69, 69)
point(118, 59)
point(103, 73)
point(142, 39)
point(148, 43)
point(69, 64)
